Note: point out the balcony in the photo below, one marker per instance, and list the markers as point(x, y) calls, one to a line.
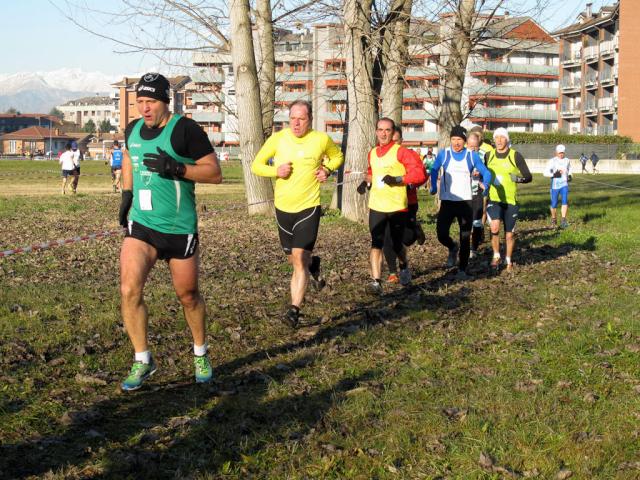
point(292, 96)
point(570, 111)
point(335, 116)
point(430, 71)
point(210, 97)
point(207, 77)
point(294, 76)
point(419, 114)
point(607, 76)
point(606, 104)
point(207, 117)
point(590, 108)
point(336, 136)
point(574, 58)
point(591, 53)
point(591, 80)
point(571, 84)
point(334, 94)
point(409, 136)
point(216, 137)
point(606, 130)
point(514, 113)
point(492, 68)
point(607, 48)
point(513, 91)
point(417, 92)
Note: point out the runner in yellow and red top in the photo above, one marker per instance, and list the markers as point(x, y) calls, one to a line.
point(391, 169)
point(302, 159)
point(413, 230)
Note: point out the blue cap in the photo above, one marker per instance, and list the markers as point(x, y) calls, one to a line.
point(74, 145)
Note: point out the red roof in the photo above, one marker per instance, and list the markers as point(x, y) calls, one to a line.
point(35, 133)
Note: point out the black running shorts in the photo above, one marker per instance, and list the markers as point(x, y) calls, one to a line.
point(168, 245)
point(503, 211)
point(299, 229)
point(378, 222)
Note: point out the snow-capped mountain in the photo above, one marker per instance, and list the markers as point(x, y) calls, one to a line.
point(39, 92)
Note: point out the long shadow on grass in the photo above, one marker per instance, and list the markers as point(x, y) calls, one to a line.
point(531, 255)
point(176, 430)
point(539, 208)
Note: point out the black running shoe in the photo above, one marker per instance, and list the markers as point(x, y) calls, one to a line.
point(314, 269)
point(292, 317)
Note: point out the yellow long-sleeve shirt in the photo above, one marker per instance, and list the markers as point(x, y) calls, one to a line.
point(301, 190)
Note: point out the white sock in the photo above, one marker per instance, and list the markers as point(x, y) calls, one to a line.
point(496, 255)
point(507, 260)
point(200, 350)
point(144, 357)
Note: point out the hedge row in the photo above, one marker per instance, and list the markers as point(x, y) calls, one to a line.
point(554, 138)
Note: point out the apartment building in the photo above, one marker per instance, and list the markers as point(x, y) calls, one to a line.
point(599, 75)
point(96, 109)
point(127, 97)
point(512, 77)
point(506, 86)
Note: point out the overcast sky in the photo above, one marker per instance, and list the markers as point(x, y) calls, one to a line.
point(36, 36)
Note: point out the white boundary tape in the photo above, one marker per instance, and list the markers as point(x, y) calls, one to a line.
point(57, 243)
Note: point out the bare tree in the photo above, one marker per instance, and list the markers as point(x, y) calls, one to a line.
point(459, 46)
point(394, 55)
point(361, 101)
point(376, 49)
point(259, 190)
point(267, 69)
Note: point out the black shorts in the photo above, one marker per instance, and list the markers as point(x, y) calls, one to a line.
point(299, 229)
point(115, 169)
point(378, 222)
point(168, 245)
point(503, 211)
point(66, 173)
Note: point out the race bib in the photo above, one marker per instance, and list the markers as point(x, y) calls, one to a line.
point(144, 197)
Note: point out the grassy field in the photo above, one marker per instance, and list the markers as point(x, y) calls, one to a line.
point(535, 375)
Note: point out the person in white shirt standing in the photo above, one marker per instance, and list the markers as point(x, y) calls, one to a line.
point(559, 170)
point(68, 166)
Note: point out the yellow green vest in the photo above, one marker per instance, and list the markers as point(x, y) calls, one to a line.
point(382, 197)
point(503, 189)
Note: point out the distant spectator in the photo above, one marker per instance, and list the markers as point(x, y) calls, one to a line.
point(583, 162)
point(116, 166)
point(77, 156)
point(66, 162)
point(594, 161)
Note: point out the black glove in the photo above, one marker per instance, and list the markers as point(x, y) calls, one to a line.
point(163, 164)
point(569, 178)
point(391, 181)
point(363, 187)
point(557, 174)
point(125, 206)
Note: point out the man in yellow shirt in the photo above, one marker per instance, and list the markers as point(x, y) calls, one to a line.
point(299, 167)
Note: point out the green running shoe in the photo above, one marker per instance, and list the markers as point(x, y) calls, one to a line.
point(138, 374)
point(204, 372)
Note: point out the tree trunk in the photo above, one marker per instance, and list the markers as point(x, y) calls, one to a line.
point(361, 104)
point(266, 74)
point(395, 46)
point(259, 190)
point(459, 47)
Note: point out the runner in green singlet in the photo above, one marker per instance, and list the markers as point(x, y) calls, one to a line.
point(166, 154)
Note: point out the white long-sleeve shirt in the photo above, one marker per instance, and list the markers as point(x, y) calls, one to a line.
point(557, 164)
